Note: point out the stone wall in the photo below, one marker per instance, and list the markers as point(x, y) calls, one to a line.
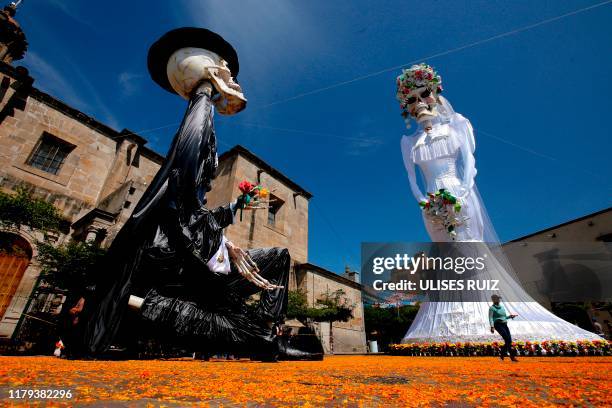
point(571, 252)
point(101, 161)
point(78, 184)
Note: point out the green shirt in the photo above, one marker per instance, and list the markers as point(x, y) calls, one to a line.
point(497, 312)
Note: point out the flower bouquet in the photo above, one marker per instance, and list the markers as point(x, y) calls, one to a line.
point(443, 209)
point(253, 197)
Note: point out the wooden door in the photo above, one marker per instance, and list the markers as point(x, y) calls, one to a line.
point(12, 267)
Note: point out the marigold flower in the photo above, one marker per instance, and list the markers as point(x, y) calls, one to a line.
point(264, 192)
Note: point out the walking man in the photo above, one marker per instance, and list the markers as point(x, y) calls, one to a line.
point(498, 317)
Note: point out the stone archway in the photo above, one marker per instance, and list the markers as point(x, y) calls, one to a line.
point(15, 256)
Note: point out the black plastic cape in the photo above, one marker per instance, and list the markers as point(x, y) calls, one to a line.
point(169, 235)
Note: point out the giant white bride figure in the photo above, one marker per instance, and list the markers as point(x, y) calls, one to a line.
point(442, 148)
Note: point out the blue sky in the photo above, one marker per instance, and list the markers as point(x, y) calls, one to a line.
point(539, 99)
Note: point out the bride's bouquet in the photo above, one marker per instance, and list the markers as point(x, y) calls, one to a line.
point(443, 209)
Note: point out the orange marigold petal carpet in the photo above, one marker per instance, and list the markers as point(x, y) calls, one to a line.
point(352, 381)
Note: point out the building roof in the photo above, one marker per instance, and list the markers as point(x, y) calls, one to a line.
point(583, 218)
point(20, 74)
point(243, 151)
point(329, 274)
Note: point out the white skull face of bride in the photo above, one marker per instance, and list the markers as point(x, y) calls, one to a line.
point(188, 67)
point(421, 105)
point(417, 92)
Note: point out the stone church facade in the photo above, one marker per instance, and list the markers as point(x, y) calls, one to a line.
point(95, 175)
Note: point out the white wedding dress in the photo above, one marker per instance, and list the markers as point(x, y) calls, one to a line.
point(445, 159)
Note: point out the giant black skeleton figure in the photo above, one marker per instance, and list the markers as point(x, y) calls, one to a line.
point(170, 264)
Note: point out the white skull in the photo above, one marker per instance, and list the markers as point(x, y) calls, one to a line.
point(421, 106)
point(188, 67)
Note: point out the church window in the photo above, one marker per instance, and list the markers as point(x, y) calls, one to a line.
point(50, 154)
point(273, 211)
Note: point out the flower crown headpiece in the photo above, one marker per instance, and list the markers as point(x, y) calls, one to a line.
point(417, 76)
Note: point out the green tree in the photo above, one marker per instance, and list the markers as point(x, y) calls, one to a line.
point(22, 208)
point(297, 306)
point(332, 307)
point(71, 265)
point(389, 323)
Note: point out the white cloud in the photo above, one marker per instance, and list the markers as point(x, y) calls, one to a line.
point(363, 145)
point(129, 83)
point(52, 81)
point(264, 34)
point(70, 12)
point(98, 102)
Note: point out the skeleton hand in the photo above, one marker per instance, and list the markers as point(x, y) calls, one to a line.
point(249, 202)
point(247, 267)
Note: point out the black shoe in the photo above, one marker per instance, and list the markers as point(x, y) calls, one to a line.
point(501, 357)
point(291, 353)
point(269, 354)
point(271, 357)
point(513, 359)
point(287, 352)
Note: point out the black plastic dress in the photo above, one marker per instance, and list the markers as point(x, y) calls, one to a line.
point(161, 252)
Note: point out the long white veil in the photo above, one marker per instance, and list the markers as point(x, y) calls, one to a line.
point(461, 320)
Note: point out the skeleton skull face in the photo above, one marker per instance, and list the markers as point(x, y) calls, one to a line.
point(421, 105)
point(188, 67)
point(417, 92)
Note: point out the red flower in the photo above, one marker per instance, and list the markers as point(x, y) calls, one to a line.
point(245, 187)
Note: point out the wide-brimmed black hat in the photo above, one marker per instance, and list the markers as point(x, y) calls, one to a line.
point(162, 49)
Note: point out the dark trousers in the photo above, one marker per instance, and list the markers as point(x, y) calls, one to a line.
point(504, 331)
point(273, 264)
point(207, 324)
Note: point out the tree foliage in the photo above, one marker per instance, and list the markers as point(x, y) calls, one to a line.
point(329, 307)
point(389, 324)
point(297, 306)
point(22, 208)
point(332, 307)
point(71, 265)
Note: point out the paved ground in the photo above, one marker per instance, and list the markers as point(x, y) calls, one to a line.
point(340, 380)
